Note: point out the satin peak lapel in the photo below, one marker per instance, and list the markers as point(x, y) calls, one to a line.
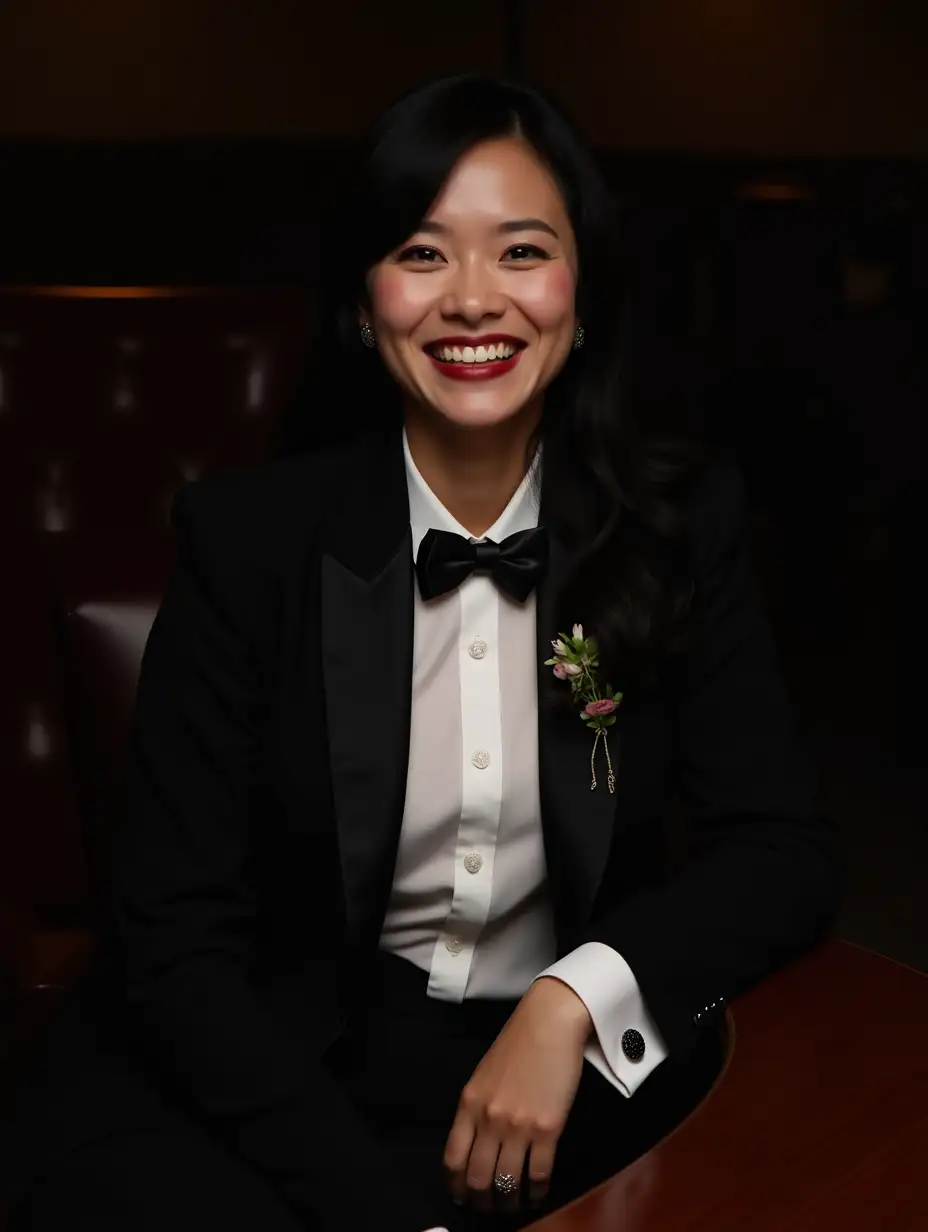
point(367, 627)
point(579, 823)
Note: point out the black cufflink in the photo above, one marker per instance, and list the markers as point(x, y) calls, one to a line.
point(633, 1045)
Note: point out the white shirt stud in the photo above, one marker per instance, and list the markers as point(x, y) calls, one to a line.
point(481, 759)
point(473, 862)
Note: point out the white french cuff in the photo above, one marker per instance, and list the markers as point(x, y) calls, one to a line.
point(604, 982)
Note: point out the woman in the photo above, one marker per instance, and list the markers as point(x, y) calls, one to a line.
point(382, 955)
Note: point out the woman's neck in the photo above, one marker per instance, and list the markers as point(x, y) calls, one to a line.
point(474, 473)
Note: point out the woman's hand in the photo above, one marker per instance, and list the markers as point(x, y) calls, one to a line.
point(519, 1096)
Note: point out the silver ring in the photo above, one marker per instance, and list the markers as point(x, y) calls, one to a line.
point(505, 1183)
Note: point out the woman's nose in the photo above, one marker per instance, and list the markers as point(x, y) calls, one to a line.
point(473, 293)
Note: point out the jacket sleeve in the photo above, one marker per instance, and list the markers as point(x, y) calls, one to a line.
point(182, 911)
point(764, 881)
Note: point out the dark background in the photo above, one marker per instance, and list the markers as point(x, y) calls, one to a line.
point(769, 161)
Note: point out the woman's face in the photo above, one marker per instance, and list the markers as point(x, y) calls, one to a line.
point(474, 313)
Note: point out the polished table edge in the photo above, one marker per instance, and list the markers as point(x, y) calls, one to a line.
point(801, 1035)
point(808, 1029)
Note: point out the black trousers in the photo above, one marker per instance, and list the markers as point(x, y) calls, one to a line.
point(404, 1061)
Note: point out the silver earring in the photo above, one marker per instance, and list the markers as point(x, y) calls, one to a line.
point(579, 335)
point(367, 335)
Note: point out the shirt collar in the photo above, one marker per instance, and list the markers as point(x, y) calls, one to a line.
point(426, 512)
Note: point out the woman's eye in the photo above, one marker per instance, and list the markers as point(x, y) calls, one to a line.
point(526, 252)
point(421, 252)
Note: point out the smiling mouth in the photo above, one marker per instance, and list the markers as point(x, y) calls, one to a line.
point(455, 353)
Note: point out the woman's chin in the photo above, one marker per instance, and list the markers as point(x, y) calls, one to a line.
point(471, 415)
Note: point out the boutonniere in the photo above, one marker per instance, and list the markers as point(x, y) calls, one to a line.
point(576, 659)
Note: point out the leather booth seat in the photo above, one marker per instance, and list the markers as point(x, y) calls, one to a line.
point(110, 399)
point(103, 594)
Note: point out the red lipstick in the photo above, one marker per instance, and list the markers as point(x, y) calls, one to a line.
point(457, 370)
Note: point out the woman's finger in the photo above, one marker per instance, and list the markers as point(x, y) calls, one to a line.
point(457, 1154)
point(540, 1167)
point(511, 1163)
point(482, 1168)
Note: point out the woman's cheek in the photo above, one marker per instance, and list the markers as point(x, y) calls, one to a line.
point(397, 299)
point(548, 298)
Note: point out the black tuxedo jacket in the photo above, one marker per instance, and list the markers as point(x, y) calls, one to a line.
point(266, 789)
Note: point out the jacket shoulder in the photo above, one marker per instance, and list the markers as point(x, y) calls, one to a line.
point(259, 511)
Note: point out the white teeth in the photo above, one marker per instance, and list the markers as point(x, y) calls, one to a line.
point(475, 355)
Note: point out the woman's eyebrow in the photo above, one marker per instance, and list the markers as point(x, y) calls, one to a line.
point(527, 224)
point(431, 227)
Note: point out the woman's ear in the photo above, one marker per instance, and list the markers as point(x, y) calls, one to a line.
point(364, 300)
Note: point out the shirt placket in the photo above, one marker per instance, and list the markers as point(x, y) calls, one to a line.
point(482, 784)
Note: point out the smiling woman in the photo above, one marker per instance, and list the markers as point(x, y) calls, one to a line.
point(496, 257)
point(379, 956)
point(473, 216)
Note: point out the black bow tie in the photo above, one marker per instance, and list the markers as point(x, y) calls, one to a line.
point(444, 560)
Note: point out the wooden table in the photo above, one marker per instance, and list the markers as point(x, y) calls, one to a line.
point(818, 1122)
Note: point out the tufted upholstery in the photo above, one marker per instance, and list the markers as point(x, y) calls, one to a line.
point(109, 400)
point(111, 397)
point(104, 593)
point(107, 588)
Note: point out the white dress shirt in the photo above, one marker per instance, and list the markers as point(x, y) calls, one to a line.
point(469, 902)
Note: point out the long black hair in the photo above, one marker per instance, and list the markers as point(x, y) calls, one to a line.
point(613, 479)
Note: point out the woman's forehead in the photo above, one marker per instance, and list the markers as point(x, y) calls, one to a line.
point(498, 181)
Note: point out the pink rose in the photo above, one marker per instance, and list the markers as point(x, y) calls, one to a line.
point(560, 670)
point(597, 709)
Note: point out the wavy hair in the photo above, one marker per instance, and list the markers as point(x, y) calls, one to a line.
point(614, 476)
